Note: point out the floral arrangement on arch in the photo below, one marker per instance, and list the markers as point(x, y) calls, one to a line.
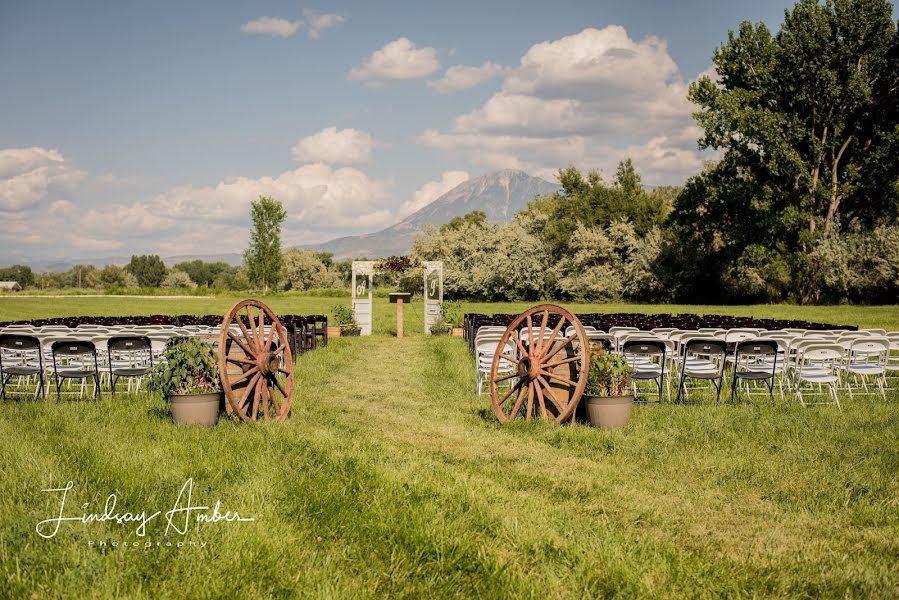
point(395, 264)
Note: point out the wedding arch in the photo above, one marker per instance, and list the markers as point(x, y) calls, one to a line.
point(364, 272)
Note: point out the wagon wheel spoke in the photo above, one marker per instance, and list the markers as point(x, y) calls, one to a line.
point(243, 328)
point(540, 399)
point(246, 374)
point(543, 324)
point(558, 378)
point(280, 389)
point(564, 361)
point(519, 344)
point(271, 336)
point(239, 361)
point(249, 389)
point(530, 401)
point(511, 359)
point(257, 395)
point(564, 343)
point(240, 343)
point(261, 328)
point(265, 398)
point(505, 377)
point(552, 336)
point(551, 395)
point(530, 323)
point(514, 412)
point(510, 392)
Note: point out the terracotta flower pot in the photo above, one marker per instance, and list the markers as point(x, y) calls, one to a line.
point(333, 332)
point(609, 412)
point(196, 409)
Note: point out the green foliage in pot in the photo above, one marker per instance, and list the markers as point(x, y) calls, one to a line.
point(610, 375)
point(452, 312)
point(440, 327)
point(190, 367)
point(343, 318)
point(343, 314)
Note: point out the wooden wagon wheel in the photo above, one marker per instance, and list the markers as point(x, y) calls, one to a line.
point(255, 362)
point(546, 372)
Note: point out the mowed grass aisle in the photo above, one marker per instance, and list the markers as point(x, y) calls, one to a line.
point(392, 478)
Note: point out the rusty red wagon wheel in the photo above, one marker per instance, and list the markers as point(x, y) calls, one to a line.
point(255, 363)
point(546, 370)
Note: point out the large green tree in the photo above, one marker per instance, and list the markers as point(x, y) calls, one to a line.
point(589, 201)
point(263, 257)
point(204, 273)
point(148, 269)
point(807, 124)
point(20, 273)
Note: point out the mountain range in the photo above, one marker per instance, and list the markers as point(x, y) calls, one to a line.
point(499, 194)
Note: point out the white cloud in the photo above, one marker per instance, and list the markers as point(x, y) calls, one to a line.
point(588, 99)
point(322, 202)
point(461, 77)
point(431, 191)
point(27, 175)
point(335, 146)
point(316, 21)
point(272, 26)
point(399, 60)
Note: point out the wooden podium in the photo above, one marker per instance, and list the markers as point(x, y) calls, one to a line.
point(400, 298)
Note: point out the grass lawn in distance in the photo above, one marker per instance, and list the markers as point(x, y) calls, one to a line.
point(392, 478)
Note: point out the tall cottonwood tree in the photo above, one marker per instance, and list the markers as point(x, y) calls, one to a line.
point(263, 256)
point(807, 121)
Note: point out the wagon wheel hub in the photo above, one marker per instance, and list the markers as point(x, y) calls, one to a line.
point(268, 363)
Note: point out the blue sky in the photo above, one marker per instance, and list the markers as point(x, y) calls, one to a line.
point(132, 127)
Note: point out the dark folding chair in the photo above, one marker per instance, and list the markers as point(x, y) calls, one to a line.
point(128, 356)
point(703, 359)
point(320, 324)
point(75, 359)
point(21, 352)
point(755, 360)
point(640, 355)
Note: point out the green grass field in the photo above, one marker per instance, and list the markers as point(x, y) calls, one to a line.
point(392, 478)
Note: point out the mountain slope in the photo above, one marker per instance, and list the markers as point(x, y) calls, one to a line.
point(499, 194)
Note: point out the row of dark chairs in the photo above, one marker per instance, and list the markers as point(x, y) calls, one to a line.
point(305, 332)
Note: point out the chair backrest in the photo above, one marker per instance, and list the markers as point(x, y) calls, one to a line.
point(706, 347)
point(831, 354)
point(489, 347)
point(870, 347)
point(614, 330)
point(648, 347)
point(739, 335)
point(19, 343)
point(129, 344)
point(757, 347)
point(73, 347)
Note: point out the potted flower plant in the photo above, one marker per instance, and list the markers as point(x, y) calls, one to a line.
point(452, 314)
point(607, 396)
point(189, 378)
point(441, 327)
point(343, 317)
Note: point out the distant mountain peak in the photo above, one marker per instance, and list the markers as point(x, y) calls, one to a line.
point(500, 194)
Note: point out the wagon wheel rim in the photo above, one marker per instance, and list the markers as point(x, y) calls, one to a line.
point(546, 375)
point(255, 365)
